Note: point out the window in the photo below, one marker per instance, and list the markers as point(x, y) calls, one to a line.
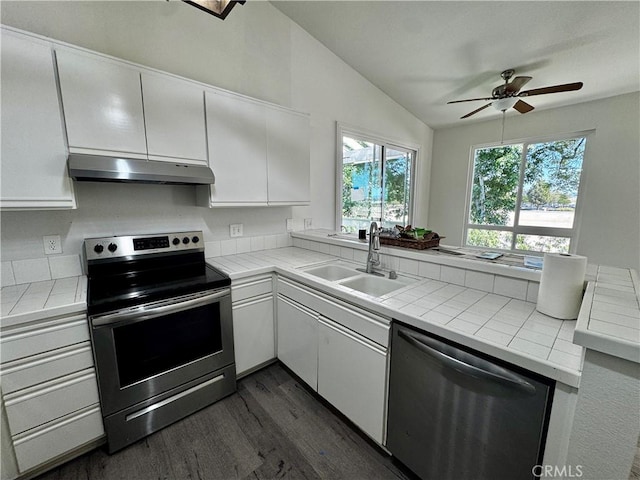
point(376, 182)
point(523, 196)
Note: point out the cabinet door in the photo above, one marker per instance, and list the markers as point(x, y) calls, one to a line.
point(253, 333)
point(236, 132)
point(288, 157)
point(34, 156)
point(102, 102)
point(298, 340)
point(174, 119)
point(352, 376)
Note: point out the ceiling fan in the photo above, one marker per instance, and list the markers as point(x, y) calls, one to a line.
point(508, 95)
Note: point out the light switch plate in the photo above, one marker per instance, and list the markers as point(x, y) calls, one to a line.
point(235, 230)
point(52, 244)
point(307, 224)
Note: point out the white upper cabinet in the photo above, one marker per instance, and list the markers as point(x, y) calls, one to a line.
point(34, 156)
point(174, 119)
point(102, 102)
point(259, 153)
point(288, 140)
point(236, 129)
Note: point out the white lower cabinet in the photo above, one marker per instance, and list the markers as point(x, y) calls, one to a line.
point(34, 406)
point(57, 438)
point(49, 390)
point(352, 376)
point(298, 340)
point(339, 350)
point(253, 323)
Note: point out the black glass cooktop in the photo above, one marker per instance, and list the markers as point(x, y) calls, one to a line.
point(116, 285)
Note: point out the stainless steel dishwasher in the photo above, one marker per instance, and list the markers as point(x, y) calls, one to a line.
point(455, 414)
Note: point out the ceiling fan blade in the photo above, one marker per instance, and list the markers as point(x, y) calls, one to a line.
point(522, 107)
point(567, 87)
point(516, 84)
point(476, 111)
point(470, 100)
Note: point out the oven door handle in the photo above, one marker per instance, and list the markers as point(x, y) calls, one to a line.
point(157, 309)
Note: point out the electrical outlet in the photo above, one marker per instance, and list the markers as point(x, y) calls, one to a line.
point(289, 224)
point(52, 244)
point(235, 230)
point(307, 224)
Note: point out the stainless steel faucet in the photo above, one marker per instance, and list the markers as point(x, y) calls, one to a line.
point(373, 257)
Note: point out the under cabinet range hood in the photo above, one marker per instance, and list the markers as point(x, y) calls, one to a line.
point(98, 168)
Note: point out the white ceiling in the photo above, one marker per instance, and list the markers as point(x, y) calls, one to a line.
point(425, 53)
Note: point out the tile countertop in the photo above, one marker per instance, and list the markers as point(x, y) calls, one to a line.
point(609, 319)
point(34, 301)
point(505, 328)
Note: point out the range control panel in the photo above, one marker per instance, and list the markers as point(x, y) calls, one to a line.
point(134, 245)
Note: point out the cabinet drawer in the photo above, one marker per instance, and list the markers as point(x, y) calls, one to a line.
point(251, 288)
point(369, 325)
point(46, 366)
point(47, 401)
point(56, 438)
point(42, 337)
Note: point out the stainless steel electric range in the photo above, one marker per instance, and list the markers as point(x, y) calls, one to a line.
point(162, 331)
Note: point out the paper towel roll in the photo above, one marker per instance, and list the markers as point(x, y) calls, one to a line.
point(561, 285)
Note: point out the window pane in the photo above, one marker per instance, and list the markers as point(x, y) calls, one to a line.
point(495, 184)
point(489, 238)
point(550, 187)
point(361, 183)
point(397, 188)
point(539, 243)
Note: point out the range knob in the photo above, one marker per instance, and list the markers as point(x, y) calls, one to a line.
point(185, 240)
point(98, 248)
point(176, 241)
point(195, 239)
point(112, 247)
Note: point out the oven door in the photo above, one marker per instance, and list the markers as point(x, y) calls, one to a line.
point(149, 349)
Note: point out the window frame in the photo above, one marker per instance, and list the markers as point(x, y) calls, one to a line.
point(385, 142)
point(571, 233)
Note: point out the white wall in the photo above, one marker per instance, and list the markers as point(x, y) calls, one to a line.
point(610, 227)
point(256, 51)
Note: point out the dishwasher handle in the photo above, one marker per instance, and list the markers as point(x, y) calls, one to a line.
point(494, 373)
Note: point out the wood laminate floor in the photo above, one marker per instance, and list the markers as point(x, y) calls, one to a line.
point(270, 428)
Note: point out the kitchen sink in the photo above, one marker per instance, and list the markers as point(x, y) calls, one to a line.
point(333, 272)
point(376, 286)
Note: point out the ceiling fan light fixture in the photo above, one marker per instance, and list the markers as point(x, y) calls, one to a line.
point(503, 104)
point(217, 8)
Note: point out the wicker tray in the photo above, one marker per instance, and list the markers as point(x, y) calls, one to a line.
point(421, 244)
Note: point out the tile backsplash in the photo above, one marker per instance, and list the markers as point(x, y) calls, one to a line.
point(18, 272)
point(218, 248)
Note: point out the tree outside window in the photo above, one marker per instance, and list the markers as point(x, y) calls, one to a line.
point(376, 183)
point(524, 196)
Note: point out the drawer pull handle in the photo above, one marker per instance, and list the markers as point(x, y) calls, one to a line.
point(178, 396)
